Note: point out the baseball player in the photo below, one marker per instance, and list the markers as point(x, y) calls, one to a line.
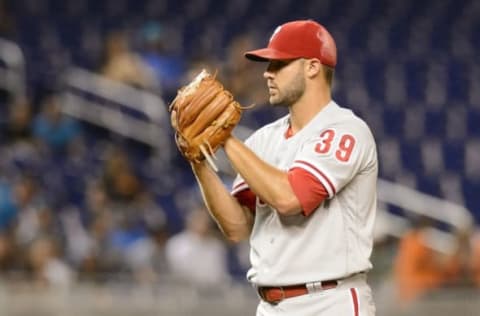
point(305, 193)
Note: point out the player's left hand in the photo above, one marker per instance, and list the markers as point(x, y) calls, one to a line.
point(203, 115)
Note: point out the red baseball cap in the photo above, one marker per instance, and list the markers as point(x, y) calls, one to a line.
point(298, 39)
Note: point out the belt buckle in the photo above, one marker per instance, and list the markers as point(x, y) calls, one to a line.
point(313, 287)
point(321, 285)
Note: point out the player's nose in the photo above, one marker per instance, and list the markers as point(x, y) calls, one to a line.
point(268, 74)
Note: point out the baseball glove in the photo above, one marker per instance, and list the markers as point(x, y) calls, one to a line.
point(203, 115)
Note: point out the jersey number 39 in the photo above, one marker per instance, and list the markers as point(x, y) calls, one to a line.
point(344, 148)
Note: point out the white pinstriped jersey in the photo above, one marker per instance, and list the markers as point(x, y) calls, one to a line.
point(336, 240)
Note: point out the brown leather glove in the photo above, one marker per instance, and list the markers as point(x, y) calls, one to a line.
point(203, 115)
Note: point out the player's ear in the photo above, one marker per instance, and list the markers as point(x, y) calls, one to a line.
point(313, 67)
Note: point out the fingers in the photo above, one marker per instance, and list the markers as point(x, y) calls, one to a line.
point(173, 119)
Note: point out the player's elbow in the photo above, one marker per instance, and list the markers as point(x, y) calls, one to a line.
point(236, 233)
point(288, 205)
point(236, 237)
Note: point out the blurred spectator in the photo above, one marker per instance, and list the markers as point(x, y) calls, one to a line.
point(418, 268)
point(34, 217)
point(8, 214)
point(21, 152)
point(47, 266)
point(53, 128)
point(79, 244)
point(243, 79)
point(8, 206)
point(196, 255)
point(145, 254)
point(26, 218)
point(97, 257)
point(7, 21)
point(475, 257)
point(19, 124)
point(118, 178)
point(127, 227)
point(132, 244)
point(460, 272)
point(6, 251)
point(159, 52)
point(122, 64)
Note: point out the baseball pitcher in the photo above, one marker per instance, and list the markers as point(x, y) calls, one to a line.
point(305, 193)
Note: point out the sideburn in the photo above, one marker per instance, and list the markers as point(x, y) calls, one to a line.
point(295, 89)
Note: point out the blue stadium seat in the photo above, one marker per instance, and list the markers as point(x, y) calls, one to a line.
point(429, 185)
point(416, 79)
point(471, 188)
point(394, 120)
point(458, 81)
point(411, 157)
point(473, 122)
point(435, 123)
point(375, 78)
point(454, 156)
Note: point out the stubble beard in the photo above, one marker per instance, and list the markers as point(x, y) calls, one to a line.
point(290, 94)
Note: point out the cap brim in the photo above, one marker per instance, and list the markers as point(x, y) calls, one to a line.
point(266, 54)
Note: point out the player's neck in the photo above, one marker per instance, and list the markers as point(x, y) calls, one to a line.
point(306, 108)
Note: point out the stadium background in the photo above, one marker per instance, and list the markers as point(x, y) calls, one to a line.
point(409, 68)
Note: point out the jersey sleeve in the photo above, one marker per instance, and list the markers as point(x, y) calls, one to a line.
point(245, 196)
point(309, 191)
point(334, 157)
point(240, 189)
point(238, 185)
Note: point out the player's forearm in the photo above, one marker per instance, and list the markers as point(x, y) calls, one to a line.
point(235, 222)
point(269, 183)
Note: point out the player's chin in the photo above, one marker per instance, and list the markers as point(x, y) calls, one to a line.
point(275, 101)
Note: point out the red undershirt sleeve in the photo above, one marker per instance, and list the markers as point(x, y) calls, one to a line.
point(309, 191)
point(247, 198)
